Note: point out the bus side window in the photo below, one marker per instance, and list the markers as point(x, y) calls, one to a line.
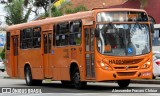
point(62, 36)
point(26, 38)
point(8, 40)
point(75, 32)
point(37, 37)
point(54, 37)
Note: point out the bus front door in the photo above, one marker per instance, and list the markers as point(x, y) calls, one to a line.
point(89, 52)
point(47, 37)
point(15, 56)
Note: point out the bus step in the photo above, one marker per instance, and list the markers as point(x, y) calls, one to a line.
point(48, 80)
point(90, 79)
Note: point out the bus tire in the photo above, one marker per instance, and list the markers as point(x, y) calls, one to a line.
point(28, 78)
point(123, 83)
point(77, 81)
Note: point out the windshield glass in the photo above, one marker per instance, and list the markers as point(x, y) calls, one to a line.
point(123, 39)
point(123, 16)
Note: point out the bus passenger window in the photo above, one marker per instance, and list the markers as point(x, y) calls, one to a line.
point(75, 33)
point(8, 40)
point(45, 43)
point(49, 42)
point(26, 38)
point(57, 40)
point(54, 30)
point(78, 39)
point(62, 37)
point(37, 37)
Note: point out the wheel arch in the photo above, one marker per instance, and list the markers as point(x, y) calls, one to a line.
point(73, 65)
point(27, 64)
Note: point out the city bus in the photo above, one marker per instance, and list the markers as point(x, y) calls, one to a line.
point(93, 46)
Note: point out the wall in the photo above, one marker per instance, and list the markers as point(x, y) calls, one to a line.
point(90, 4)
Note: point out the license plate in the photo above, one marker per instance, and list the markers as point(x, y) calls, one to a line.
point(146, 74)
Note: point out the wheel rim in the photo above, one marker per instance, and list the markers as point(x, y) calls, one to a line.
point(28, 76)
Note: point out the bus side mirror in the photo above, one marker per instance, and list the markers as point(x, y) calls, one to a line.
point(96, 33)
point(152, 28)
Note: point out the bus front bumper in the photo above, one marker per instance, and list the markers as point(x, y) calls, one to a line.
point(105, 75)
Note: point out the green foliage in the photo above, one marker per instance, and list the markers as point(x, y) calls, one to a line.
point(80, 8)
point(2, 54)
point(15, 12)
point(42, 3)
point(75, 10)
point(69, 10)
point(66, 8)
point(55, 12)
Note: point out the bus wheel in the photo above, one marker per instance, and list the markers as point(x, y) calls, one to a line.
point(77, 81)
point(28, 78)
point(123, 83)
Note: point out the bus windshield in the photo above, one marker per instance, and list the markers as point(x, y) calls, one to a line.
point(124, 16)
point(123, 39)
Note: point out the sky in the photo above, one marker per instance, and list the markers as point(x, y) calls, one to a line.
point(2, 13)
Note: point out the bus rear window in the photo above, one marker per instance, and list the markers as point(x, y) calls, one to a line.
point(121, 16)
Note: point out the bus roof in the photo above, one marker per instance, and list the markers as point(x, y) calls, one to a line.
point(63, 18)
point(75, 16)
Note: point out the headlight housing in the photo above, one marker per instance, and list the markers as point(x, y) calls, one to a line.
point(146, 65)
point(105, 66)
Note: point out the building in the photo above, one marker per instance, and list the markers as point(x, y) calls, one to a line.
point(90, 4)
point(148, 5)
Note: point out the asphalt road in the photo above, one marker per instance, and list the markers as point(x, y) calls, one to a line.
point(95, 89)
point(55, 88)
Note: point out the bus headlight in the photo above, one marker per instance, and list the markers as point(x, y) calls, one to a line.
point(105, 66)
point(146, 65)
point(102, 64)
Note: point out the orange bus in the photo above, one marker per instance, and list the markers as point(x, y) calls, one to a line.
point(97, 45)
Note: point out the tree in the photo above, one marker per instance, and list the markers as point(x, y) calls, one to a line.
point(38, 4)
point(15, 12)
point(43, 3)
point(2, 54)
point(67, 8)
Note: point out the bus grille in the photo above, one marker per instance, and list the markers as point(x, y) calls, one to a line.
point(130, 67)
point(126, 73)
